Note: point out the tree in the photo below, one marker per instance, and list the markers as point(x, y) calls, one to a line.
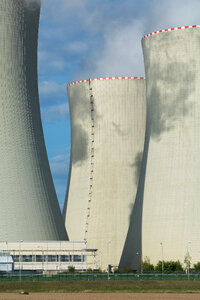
point(197, 267)
point(147, 267)
point(169, 267)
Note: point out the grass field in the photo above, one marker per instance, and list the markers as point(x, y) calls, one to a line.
point(103, 286)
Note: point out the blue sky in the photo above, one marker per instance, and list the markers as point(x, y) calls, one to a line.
point(80, 39)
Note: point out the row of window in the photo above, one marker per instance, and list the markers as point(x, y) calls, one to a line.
point(49, 258)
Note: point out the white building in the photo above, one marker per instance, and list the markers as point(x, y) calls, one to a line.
point(46, 256)
point(6, 262)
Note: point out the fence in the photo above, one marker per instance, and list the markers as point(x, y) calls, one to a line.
point(97, 277)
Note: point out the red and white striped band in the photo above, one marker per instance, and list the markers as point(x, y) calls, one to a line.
point(171, 29)
point(105, 78)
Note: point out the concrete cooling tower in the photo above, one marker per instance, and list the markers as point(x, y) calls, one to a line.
point(29, 208)
point(171, 206)
point(108, 118)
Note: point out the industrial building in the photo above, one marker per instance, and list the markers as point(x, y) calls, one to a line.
point(169, 228)
point(28, 205)
point(108, 117)
point(46, 256)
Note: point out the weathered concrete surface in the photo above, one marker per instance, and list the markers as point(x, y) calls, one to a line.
point(29, 208)
point(108, 127)
point(76, 202)
point(132, 253)
point(171, 206)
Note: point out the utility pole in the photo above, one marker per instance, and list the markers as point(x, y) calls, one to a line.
point(161, 244)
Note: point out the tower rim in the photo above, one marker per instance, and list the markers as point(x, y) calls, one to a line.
point(170, 29)
point(104, 78)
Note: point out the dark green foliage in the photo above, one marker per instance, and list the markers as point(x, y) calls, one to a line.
point(71, 269)
point(147, 267)
point(169, 267)
point(197, 267)
point(91, 271)
point(116, 271)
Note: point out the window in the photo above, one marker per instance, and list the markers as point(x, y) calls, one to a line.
point(16, 258)
point(65, 258)
point(52, 258)
point(27, 258)
point(77, 257)
point(39, 258)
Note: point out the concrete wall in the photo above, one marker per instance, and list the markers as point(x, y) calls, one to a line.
point(75, 207)
point(29, 208)
point(171, 206)
point(108, 127)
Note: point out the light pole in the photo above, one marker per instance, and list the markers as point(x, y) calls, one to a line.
point(140, 261)
point(161, 244)
point(32, 261)
point(109, 242)
point(42, 260)
point(59, 257)
point(109, 260)
point(20, 266)
point(47, 256)
point(188, 260)
point(40, 250)
point(7, 256)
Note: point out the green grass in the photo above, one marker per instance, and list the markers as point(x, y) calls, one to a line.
point(104, 286)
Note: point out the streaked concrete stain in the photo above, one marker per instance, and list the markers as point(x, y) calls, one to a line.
point(171, 206)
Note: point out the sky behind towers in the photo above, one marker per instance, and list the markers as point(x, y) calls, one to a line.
point(83, 39)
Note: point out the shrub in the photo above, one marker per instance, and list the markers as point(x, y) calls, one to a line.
point(147, 267)
point(169, 267)
point(71, 269)
point(197, 267)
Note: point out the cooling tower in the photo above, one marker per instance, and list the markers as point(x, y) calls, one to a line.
point(107, 138)
point(29, 208)
point(171, 206)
